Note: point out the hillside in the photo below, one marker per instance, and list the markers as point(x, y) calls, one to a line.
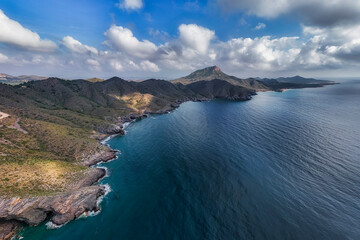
point(52, 120)
point(301, 80)
point(8, 79)
point(278, 84)
point(214, 72)
point(256, 84)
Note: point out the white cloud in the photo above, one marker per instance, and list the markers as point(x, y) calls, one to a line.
point(149, 66)
point(131, 4)
point(115, 64)
point(3, 58)
point(123, 40)
point(93, 64)
point(260, 26)
point(75, 46)
point(334, 43)
point(259, 53)
point(14, 33)
point(196, 37)
point(331, 47)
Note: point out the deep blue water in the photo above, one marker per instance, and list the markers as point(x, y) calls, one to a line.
point(281, 166)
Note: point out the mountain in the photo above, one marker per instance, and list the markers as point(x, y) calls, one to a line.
point(302, 80)
point(296, 80)
point(278, 84)
point(214, 72)
point(8, 79)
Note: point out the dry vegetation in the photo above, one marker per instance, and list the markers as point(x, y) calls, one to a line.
point(44, 161)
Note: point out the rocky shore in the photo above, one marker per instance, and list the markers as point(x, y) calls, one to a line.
point(80, 199)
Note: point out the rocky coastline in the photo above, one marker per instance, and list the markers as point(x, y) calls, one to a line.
point(82, 198)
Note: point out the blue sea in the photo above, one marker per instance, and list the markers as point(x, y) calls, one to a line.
point(280, 166)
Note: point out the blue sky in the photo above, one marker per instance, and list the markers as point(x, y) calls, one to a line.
point(87, 20)
point(141, 38)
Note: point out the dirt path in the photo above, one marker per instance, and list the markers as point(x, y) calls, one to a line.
point(18, 127)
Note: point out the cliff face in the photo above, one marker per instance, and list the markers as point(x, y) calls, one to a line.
point(61, 208)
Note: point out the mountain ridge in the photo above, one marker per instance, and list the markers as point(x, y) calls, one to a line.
point(214, 72)
point(9, 79)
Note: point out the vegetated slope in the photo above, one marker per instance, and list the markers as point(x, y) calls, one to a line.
point(212, 73)
point(258, 84)
point(51, 122)
point(221, 89)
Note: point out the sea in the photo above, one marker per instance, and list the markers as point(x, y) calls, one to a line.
point(280, 166)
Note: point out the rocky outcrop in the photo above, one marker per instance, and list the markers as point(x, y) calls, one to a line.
point(133, 117)
point(8, 229)
point(62, 208)
point(102, 156)
point(93, 176)
point(112, 129)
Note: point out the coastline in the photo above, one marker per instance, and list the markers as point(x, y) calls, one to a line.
point(82, 199)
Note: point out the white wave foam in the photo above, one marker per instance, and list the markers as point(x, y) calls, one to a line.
point(50, 225)
point(125, 125)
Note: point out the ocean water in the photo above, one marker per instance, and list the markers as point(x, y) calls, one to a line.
point(281, 166)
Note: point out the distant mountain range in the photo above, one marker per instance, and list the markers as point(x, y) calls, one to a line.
point(8, 79)
point(296, 79)
point(207, 74)
point(115, 96)
point(257, 84)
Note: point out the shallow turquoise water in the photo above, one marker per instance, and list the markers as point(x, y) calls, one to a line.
point(281, 166)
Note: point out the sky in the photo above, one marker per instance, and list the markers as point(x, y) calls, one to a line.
point(166, 39)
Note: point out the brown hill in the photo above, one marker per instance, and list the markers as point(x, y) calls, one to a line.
point(214, 72)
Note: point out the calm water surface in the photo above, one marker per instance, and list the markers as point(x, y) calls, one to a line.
point(281, 166)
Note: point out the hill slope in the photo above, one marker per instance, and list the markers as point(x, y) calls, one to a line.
point(214, 72)
point(52, 120)
point(8, 79)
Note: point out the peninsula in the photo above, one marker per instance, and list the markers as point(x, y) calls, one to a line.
point(50, 132)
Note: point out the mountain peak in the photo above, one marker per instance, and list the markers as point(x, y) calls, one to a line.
point(212, 69)
point(215, 69)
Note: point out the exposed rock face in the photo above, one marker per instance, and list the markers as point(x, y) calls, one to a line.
point(7, 229)
point(112, 129)
point(62, 208)
point(93, 176)
point(133, 117)
point(103, 156)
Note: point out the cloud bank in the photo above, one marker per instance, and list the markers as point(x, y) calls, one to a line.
point(328, 41)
